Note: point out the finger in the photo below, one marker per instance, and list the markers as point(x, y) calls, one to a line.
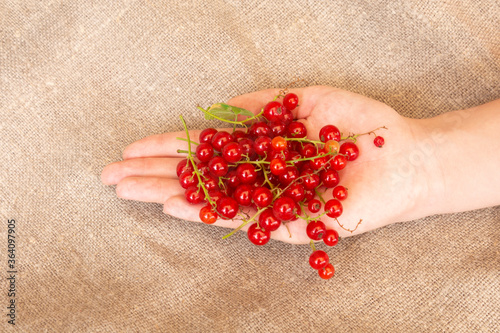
point(178, 206)
point(161, 145)
point(148, 189)
point(140, 167)
point(164, 145)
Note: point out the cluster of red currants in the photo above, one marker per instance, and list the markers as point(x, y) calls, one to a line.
point(274, 169)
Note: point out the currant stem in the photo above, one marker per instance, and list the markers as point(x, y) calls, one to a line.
point(192, 142)
point(312, 245)
point(267, 180)
point(320, 196)
point(195, 168)
point(287, 229)
point(254, 162)
point(305, 140)
point(350, 230)
point(355, 136)
point(230, 121)
point(312, 158)
point(245, 222)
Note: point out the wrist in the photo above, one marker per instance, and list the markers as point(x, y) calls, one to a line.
point(425, 163)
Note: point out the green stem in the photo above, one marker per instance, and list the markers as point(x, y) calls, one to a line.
point(312, 245)
point(253, 162)
point(320, 196)
point(245, 222)
point(192, 142)
point(267, 179)
point(305, 140)
point(195, 168)
point(354, 137)
point(230, 121)
point(291, 162)
point(180, 151)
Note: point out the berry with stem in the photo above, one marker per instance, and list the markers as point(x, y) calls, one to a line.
point(258, 236)
point(327, 272)
point(379, 141)
point(318, 259)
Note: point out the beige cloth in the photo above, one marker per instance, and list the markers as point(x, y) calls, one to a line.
point(80, 80)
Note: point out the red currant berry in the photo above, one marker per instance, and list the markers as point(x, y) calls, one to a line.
point(183, 165)
point(340, 193)
point(243, 195)
point(246, 173)
point(232, 152)
point(277, 166)
point(262, 145)
point(210, 182)
point(207, 215)
point(309, 195)
point(188, 179)
point(315, 230)
point(218, 166)
point(258, 236)
point(309, 179)
point(331, 146)
point(284, 155)
point(259, 128)
point(339, 162)
point(329, 132)
point(291, 173)
point(318, 163)
point(294, 156)
point(309, 150)
point(287, 116)
point(246, 146)
point(273, 111)
point(227, 207)
point(333, 208)
point(278, 128)
point(327, 272)
point(379, 141)
point(204, 152)
point(350, 150)
point(295, 191)
point(220, 139)
point(262, 197)
point(331, 237)
point(296, 130)
point(194, 195)
point(215, 195)
point(329, 178)
point(314, 205)
point(290, 101)
point(232, 179)
point(273, 179)
point(278, 143)
point(238, 135)
point(207, 134)
point(318, 259)
point(284, 208)
point(268, 221)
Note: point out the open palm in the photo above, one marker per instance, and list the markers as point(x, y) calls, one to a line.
point(147, 172)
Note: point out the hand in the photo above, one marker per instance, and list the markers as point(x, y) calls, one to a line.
point(148, 170)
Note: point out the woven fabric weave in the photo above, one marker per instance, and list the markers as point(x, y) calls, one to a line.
point(80, 80)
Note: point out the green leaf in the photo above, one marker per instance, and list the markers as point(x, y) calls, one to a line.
point(226, 111)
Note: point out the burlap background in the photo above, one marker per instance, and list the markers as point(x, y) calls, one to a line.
point(80, 80)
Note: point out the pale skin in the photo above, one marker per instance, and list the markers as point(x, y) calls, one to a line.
point(445, 164)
